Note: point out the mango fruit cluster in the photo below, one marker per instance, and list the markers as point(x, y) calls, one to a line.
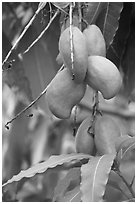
point(88, 67)
point(104, 139)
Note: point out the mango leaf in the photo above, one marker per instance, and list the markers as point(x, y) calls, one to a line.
point(72, 175)
point(128, 63)
point(72, 196)
point(108, 20)
point(120, 141)
point(117, 48)
point(127, 147)
point(94, 177)
point(91, 11)
point(40, 62)
point(52, 162)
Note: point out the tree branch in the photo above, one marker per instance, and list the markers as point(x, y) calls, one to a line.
point(22, 34)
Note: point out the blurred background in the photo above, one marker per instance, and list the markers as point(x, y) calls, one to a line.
point(30, 140)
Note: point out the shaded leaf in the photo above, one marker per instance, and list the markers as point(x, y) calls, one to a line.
point(63, 184)
point(120, 141)
point(39, 63)
point(94, 177)
point(117, 48)
point(72, 196)
point(127, 147)
point(91, 11)
point(108, 20)
point(52, 162)
point(128, 63)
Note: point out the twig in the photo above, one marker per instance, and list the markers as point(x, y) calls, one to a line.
point(94, 112)
point(80, 15)
point(110, 109)
point(42, 33)
point(32, 103)
point(128, 185)
point(71, 38)
point(25, 109)
point(75, 121)
point(132, 181)
point(22, 34)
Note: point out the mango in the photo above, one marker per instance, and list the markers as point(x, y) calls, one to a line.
point(102, 75)
point(84, 141)
point(63, 94)
point(106, 134)
point(79, 52)
point(65, 25)
point(95, 41)
point(59, 59)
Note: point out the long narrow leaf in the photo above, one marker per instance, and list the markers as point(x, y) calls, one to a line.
point(72, 175)
point(52, 162)
point(94, 177)
point(108, 20)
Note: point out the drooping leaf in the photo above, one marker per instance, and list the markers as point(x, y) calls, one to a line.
point(91, 11)
point(72, 196)
point(128, 63)
point(63, 184)
point(52, 162)
point(108, 20)
point(117, 48)
point(94, 177)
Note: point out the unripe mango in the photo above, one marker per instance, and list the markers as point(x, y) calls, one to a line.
point(63, 93)
point(59, 59)
point(79, 52)
point(106, 134)
point(84, 140)
point(102, 75)
point(95, 41)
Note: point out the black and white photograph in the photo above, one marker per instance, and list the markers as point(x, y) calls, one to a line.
point(68, 101)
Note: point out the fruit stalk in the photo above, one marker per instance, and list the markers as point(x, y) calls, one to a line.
point(71, 38)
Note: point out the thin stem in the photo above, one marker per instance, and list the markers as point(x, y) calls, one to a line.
point(32, 103)
point(71, 37)
point(42, 33)
point(80, 15)
point(22, 34)
point(124, 180)
point(132, 181)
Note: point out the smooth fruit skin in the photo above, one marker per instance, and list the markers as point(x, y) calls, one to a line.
point(59, 59)
point(80, 52)
point(63, 93)
point(106, 134)
point(95, 41)
point(83, 140)
point(102, 75)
